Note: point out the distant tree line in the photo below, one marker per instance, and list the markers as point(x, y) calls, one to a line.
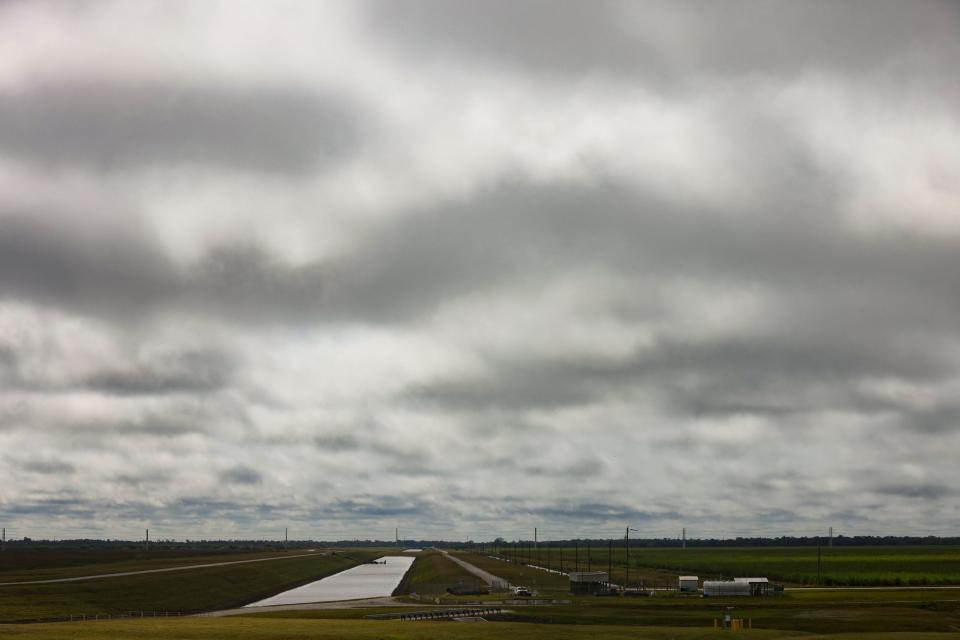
point(264, 545)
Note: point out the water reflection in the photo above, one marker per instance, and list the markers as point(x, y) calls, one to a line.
point(363, 581)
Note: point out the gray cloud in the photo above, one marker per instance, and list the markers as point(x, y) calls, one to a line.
point(48, 466)
point(646, 41)
point(113, 126)
point(117, 275)
point(241, 475)
point(463, 267)
point(192, 371)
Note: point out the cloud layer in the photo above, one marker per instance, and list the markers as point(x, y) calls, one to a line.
point(469, 268)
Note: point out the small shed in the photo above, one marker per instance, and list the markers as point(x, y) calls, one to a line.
point(587, 582)
point(689, 584)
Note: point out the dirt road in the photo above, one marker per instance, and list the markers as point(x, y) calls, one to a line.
point(486, 576)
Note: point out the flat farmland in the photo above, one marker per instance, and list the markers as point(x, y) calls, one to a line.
point(189, 590)
point(39, 563)
point(839, 566)
point(293, 629)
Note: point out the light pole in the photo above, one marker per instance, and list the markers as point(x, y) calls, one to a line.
point(626, 539)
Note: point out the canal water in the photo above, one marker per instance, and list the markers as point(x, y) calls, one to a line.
point(362, 581)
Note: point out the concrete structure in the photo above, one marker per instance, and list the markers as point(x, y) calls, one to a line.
point(689, 584)
point(586, 582)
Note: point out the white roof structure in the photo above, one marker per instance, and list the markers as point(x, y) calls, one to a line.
point(689, 577)
point(752, 580)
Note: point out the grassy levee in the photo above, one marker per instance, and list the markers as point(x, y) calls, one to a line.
point(432, 572)
point(275, 629)
point(18, 565)
point(516, 573)
point(185, 591)
point(839, 566)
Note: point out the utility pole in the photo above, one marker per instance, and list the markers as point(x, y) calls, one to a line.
point(285, 530)
point(146, 542)
point(396, 532)
point(576, 556)
point(588, 557)
point(610, 561)
point(831, 537)
point(626, 539)
point(626, 543)
point(684, 543)
point(536, 549)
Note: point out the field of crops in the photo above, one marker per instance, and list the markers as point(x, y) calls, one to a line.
point(837, 566)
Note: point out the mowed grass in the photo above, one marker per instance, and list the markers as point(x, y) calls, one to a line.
point(188, 591)
point(22, 564)
point(839, 566)
point(516, 573)
point(275, 629)
point(815, 612)
point(432, 573)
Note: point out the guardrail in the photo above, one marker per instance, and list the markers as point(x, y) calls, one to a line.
point(435, 614)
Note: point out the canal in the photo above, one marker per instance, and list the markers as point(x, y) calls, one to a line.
point(362, 581)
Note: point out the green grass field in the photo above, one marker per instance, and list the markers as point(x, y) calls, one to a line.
point(518, 574)
point(291, 629)
point(186, 591)
point(432, 573)
point(46, 564)
point(840, 566)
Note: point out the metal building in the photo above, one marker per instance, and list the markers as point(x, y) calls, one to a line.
point(689, 584)
point(737, 587)
point(586, 582)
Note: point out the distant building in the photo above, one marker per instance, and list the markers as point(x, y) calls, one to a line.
point(588, 582)
point(689, 584)
point(740, 587)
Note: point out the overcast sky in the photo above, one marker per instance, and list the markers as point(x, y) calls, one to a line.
point(467, 268)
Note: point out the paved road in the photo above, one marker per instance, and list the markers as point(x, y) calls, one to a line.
point(137, 573)
point(486, 576)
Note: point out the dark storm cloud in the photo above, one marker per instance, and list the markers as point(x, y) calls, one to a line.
point(126, 126)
